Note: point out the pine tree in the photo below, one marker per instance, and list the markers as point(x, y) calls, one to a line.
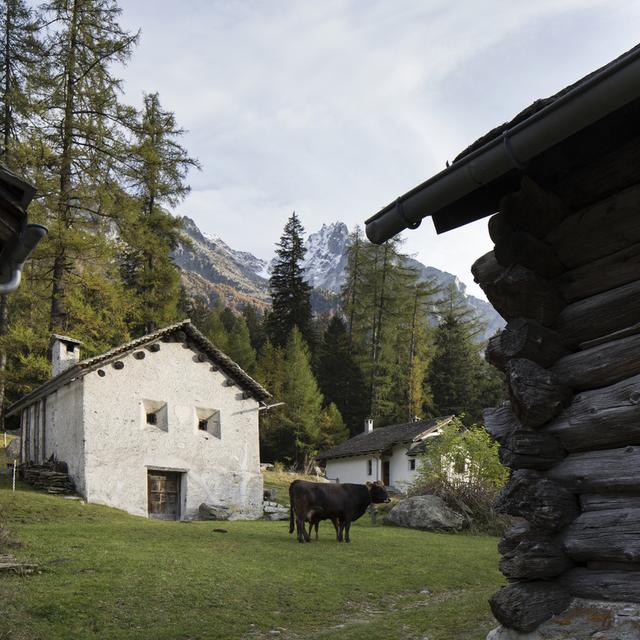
point(333, 431)
point(290, 292)
point(255, 323)
point(339, 376)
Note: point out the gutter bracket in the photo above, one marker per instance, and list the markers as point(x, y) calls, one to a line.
point(403, 216)
point(506, 140)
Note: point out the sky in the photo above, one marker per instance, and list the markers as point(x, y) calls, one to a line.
point(335, 108)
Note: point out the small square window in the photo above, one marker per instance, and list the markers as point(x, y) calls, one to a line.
point(155, 415)
point(209, 421)
point(412, 464)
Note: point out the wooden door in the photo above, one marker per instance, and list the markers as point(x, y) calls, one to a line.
point(385, 472)
point(163, 489)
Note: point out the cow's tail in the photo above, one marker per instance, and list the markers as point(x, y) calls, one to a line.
point(291, 525)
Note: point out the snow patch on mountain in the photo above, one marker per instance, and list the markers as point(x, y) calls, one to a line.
point(325, 260)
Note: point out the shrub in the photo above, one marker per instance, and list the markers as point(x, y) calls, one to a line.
point(462, 467)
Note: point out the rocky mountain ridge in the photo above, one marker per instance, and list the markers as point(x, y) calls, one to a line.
point(212, 269)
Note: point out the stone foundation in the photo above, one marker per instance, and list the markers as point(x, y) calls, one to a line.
point(583, 620)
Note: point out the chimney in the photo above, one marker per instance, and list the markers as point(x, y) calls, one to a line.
point(368, 425)
point(64, 353)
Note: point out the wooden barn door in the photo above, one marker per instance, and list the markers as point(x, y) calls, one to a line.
point(163, 489)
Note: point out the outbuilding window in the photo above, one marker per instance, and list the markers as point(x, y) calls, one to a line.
point(412, 464)
point(209, 421)
point(369, 467)
point(155, 415)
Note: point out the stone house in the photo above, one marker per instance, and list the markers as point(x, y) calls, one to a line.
point(155, 427)
point(389, 454)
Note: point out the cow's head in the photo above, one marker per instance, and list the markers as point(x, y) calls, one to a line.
point(377, 492)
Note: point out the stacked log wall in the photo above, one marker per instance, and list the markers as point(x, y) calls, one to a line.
point(567, 282)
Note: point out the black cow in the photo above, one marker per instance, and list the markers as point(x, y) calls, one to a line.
point(344, 503)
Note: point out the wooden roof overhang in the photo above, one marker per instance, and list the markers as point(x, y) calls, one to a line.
point(550, 140)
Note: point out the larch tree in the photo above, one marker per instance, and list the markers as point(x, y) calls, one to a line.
point(157, 172)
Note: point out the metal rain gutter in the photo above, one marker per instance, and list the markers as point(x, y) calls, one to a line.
point(12, 258)
point(590, 101)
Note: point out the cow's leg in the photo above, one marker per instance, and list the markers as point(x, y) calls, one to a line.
point(335, 525)
point(347, 526)
point(317, 523)
point(340, 529)
point(302, 534)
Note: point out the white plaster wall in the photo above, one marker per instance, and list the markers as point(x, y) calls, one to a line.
point(121, 447)
point(353, 469)
point(64, 435)
point(400, 476)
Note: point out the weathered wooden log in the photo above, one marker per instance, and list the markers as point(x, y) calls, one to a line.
point(604, 502)
point(600, 366)
point(622, 586)
point(532, 253)
point(154, 347)
point(517, 291)
point(526, 449)
point(604, 274)
point(610, 337)
point(601, 419)
point(533, 209)
point(581, 237)
point(612, 535)
point(599, 315)
point(524, 338)
point(500, 421)
point(528, 554)
point(523, 606)
point(544, 503)
point(499, 227)
point(613, 470)
point(537, 394)
point(605, 174)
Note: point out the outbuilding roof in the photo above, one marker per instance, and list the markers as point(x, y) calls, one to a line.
point(189, 334)
point(384, 438)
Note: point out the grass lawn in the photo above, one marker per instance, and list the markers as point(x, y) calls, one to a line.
point(110, 575)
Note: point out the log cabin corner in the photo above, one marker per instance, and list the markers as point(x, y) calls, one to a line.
point(561, 182)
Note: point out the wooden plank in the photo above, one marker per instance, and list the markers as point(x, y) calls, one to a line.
point(532, 253)
point(500, 421)
point(607, 273)
point(526, 449)
point(599, 230)
point(601, 365)
point(621, 586)
point(601, 419)
point(610, 471)
point(599, 315)
point(605, 502)
point(611, 535)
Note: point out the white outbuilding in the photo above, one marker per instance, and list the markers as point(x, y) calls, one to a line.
point(388, 454)
point(156, 426)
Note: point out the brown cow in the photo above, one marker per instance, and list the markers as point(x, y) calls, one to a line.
point(341, 503)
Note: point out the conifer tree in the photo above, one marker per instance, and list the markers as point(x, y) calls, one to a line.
point(157, 178)
point(239, 346)
point(255, 323)
point(275, 439)
point(303, 402)
point(339, 376)
point(333, 430)
point(290, 292)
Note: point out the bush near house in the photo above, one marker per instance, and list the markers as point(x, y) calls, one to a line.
point(462, 467)
point(106, 574)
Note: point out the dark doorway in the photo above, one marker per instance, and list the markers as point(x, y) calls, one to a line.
point(163, 489)
point(385, 473)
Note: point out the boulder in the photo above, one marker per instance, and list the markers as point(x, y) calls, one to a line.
point(213, 512)
point(275, 511)
point(429, 513)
